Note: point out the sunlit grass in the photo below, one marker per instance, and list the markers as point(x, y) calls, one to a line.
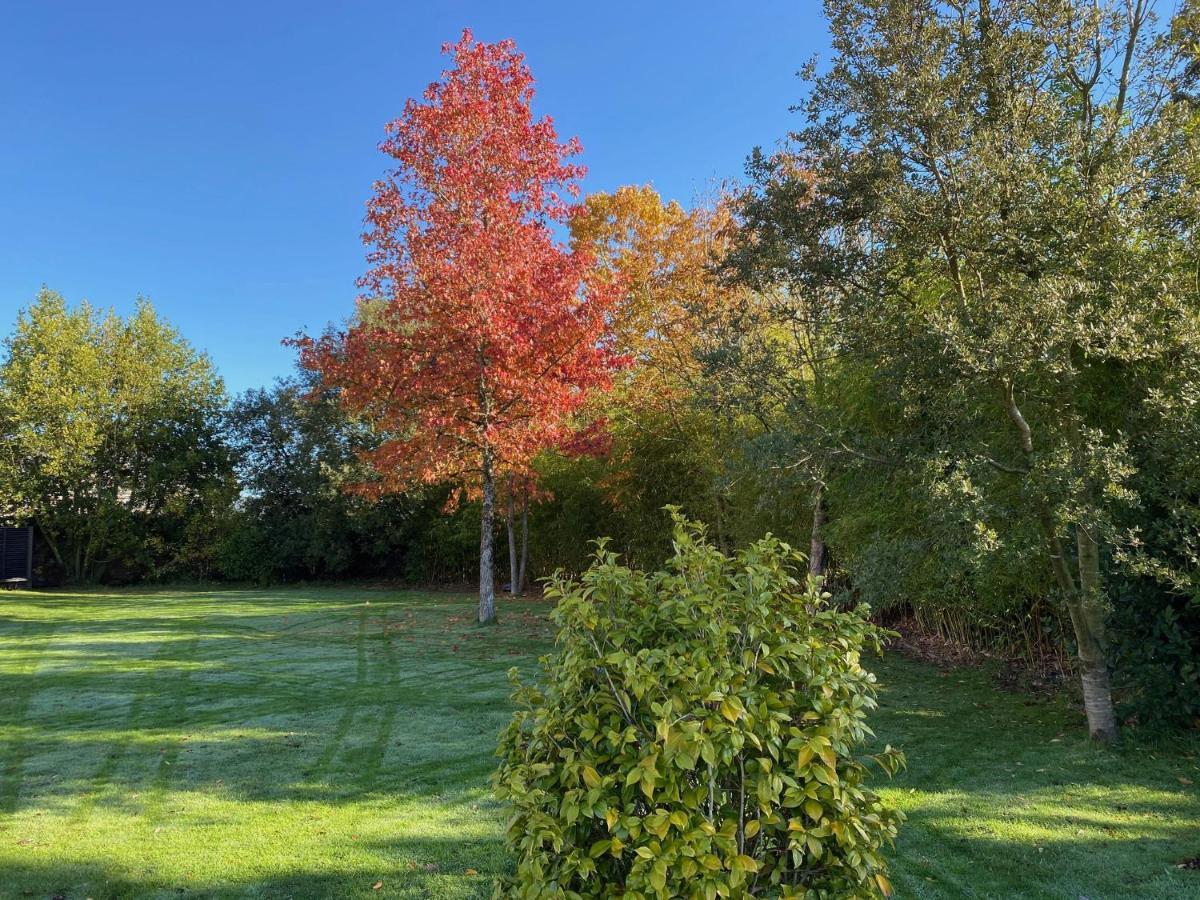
point(1007, 798)
point(274, 744)
point(319, 742)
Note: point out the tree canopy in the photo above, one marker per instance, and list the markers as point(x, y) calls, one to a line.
point(479, 333)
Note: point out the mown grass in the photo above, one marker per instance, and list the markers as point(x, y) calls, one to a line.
point(337, 742)
point(1007, 798)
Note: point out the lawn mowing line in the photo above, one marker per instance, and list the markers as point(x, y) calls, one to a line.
point(373, 760)
point(21, 697)
point(168, 761)
point(101, 777)
point(324, 621)
point(340, 730)
point(415, 689)
point(285, 629)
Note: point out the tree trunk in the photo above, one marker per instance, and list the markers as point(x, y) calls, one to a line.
point(1085, 600)
point(487, 583)
point(75, 571)
point(524, 542)
point(1085, 607)
point(51, 543)
point(816, 546)
point(720, 524)
point(513, 584)
point(1088, 622)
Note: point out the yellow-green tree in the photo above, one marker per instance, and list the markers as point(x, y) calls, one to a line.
point(106, 424)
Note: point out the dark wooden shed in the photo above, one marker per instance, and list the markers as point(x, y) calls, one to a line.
point(16, 554)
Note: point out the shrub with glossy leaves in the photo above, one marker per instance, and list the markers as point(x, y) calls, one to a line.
point(697, 736)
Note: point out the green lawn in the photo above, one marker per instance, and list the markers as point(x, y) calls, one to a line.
point(319, 742)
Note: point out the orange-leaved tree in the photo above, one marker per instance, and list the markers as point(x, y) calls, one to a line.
point(479, 334)
point(671, 442)
point(664, 255)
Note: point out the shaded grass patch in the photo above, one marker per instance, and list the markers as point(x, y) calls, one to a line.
point(311, 743)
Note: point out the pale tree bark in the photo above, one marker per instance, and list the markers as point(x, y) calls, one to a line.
point(1085, 606)
point(487, 583)
point(1084, 599)
point(1089, 633)
point(524, 543)
point(514, 586)
point(816, 545)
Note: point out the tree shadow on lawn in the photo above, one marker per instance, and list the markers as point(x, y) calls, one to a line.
point(448, 867)
point(1007, 797)
point(313, 706)
point(331, 745)
point(945, 855)
point(281, 701)
point(100, 625)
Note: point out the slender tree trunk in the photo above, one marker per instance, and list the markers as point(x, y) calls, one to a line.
point(1085, 608)
point(524, 542)
point(76, 571)
point(85, 573)
point(1085, 600)
point(513, 585)
point(720, 523)
point(52, 544)
point(487, 582)
point(816, 546)
point(1089, 634)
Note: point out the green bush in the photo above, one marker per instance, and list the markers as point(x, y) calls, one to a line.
point(1154, 642)
point(697, 736)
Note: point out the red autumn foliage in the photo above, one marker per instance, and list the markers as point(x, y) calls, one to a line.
point(479, 333)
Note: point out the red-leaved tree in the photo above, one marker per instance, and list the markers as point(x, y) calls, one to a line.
point(479, 333)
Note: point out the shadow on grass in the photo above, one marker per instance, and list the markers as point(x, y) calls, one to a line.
point(116, 710)
point(324, 699)
point(426, 868)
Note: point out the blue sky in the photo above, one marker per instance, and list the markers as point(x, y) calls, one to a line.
point(215, 157)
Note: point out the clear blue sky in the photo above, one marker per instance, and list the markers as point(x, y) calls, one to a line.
point(215, 157)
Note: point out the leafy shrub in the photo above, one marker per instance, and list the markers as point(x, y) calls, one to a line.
point(1154, 638)
point(697, 736)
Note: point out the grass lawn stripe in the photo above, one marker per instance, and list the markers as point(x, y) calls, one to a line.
point(318, 741)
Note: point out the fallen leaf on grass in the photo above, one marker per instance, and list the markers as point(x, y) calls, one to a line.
point(377, 885)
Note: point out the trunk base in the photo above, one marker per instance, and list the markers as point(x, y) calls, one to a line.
point(1097, 703)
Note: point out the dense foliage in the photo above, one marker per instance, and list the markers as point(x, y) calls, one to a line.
point(696, 735)
point(994, 207)
point(946, 336)
point(479, 334)
point(110, 441)
point(297, 453)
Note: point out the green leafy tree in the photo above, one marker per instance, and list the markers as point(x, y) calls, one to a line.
point(299, 458)
point(295, 451)
point(1001, 194)
point(108, 430)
